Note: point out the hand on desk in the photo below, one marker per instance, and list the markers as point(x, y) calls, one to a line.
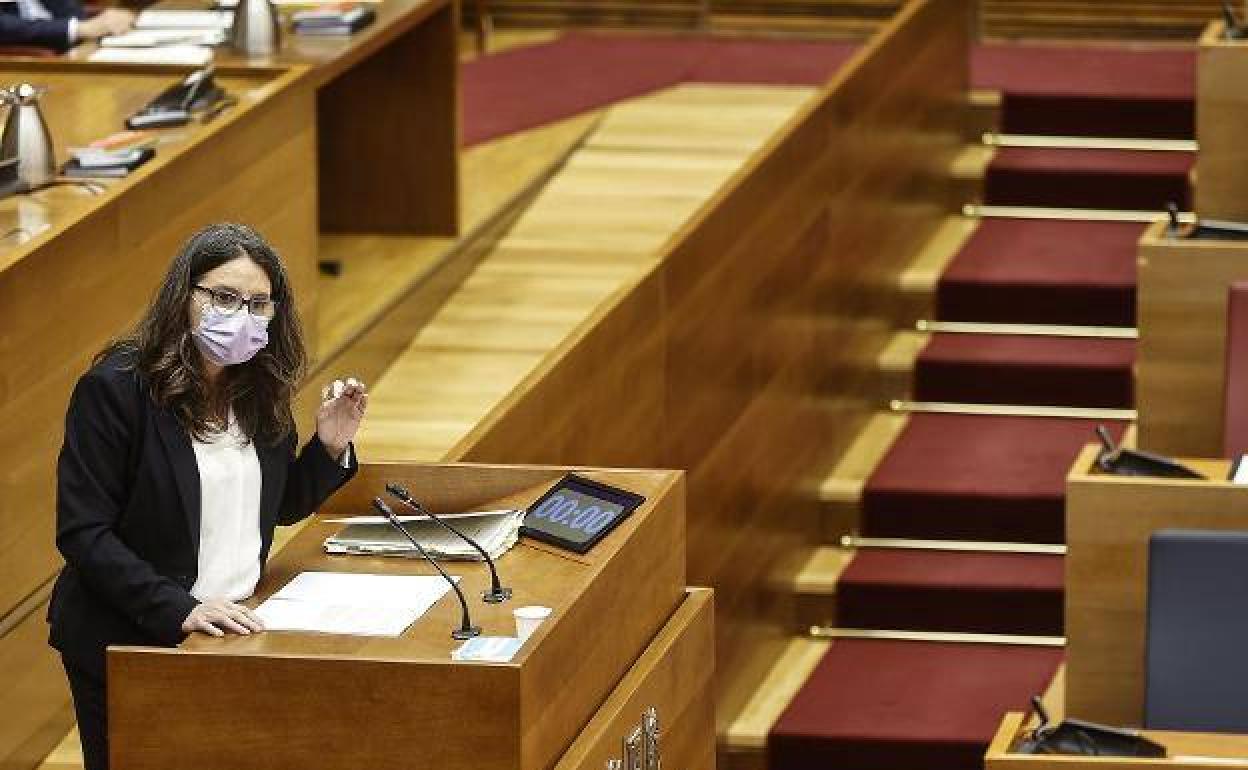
point(217, 617)
point(110, 21)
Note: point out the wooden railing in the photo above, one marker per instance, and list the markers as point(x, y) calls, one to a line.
point(741, 357)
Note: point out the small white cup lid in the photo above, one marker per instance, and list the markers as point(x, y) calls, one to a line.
point(534, 612)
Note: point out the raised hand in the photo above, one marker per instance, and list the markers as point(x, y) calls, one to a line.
point(343, 403)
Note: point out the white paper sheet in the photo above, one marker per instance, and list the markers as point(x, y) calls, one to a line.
point(151, 38)
point(406, 519)
point(194, 55)
point(285, 615)
point(351, 603)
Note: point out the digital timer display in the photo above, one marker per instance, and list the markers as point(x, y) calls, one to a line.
point(576, 513)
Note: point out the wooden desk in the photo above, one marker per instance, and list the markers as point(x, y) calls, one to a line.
point(1109, 520)
point(1221, 125)
point(387, 116)
point(330, 701)
point(81, 269)
point(1189, 751)
point(1181, 363)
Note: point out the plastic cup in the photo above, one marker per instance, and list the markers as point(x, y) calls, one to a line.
point(528, 619)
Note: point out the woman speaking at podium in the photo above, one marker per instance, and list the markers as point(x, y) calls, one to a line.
point(179, 460)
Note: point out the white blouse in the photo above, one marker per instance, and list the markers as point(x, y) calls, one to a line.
point(229, 516)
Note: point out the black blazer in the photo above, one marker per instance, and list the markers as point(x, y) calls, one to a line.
point(48, 33)
point(127, 514)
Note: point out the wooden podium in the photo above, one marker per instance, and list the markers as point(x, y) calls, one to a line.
point(1221, 123)
point(1109, 520)
point(625, 635)
point(1186, 751)
point(1181, 364)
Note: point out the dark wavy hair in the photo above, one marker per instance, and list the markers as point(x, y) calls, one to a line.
point(164, 353)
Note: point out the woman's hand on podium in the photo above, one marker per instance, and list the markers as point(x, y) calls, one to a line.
point(218, 617)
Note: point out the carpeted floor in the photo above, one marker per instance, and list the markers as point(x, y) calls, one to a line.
point(1098, 90)
point(975, 477)
point(1012, 369)
point(533, 86)
point(1045, 272)
point(991, 593)
point(1088, 179)
point(885, 705)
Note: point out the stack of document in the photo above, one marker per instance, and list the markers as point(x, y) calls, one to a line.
point(495, 531)
point(167, 36)
point(191, 55)
point(172, 18)
point(350, 603)
point(93, 162)
point(336, 20)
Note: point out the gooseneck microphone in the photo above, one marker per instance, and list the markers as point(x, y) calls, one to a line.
point(466, 629)
point(497, 592)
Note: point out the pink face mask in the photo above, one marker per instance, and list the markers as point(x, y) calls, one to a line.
point(228, 339)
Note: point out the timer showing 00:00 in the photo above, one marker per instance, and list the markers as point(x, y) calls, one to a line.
point(588, 516)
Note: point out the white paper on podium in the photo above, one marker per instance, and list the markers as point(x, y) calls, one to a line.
point(351, 603)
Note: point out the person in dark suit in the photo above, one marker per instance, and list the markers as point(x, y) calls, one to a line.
point(57, 24)
point(179, 460)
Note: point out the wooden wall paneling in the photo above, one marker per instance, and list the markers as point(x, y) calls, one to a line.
point(35, 713)
point(84, 280)
point(266, 179)
point(673, 676)
point(1109, 520)
point(1221, 122)
point(102, 269)
point(896, 123)
point(389, 146)
point(1180, 364)
point(741, 405)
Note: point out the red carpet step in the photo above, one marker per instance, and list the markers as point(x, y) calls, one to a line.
point(991, 593)
point(1088, 179)
point(1014, 369)
point(889, 705)
point(1120, 91)
point(973, 477)
point(541, 84)
point(1043, 271)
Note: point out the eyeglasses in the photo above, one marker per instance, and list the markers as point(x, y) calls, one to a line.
point(229, 302)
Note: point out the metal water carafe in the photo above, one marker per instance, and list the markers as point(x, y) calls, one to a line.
point(26, 136)
point(256, 31)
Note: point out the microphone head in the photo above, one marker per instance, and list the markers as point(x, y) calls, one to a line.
point(399, 491)
point(381, 506)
